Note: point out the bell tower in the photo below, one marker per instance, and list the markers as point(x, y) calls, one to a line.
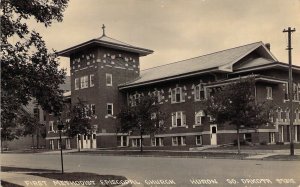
point(98, 67)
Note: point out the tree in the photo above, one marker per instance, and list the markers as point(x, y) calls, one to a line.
point(145, 118)
point(235, 104)
point(28, 69)
point(80, 121)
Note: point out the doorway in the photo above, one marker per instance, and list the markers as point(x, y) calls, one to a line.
point(213, 134)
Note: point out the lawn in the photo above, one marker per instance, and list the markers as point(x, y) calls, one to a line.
point(259, 147)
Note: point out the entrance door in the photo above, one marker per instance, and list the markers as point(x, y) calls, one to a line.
point(213, 134)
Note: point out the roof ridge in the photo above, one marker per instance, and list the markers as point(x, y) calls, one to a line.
point(113, 39)
point(202, 55)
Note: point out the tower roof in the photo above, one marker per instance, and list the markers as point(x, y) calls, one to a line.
point(105, 41)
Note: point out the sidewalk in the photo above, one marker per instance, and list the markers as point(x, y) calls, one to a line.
point(23, 179)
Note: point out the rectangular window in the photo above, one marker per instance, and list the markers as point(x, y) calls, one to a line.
point(178, 119)
point(84, 82)
point(51, 126)
point(92, 81)
point(77, 85)
point(177, 95)
point(136, 142)
point(199, 92)
point(272, 137)
point(178, 140)
point(108, 79)
point(93, 109)
point(269, 93)
point(199, 140)
point(157, 142)
point(122, 141)
point(199, 118)
point(110, 109)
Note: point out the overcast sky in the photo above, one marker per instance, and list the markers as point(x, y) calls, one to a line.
point(179, 29)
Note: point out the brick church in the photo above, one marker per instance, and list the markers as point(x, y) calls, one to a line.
point(105, 73)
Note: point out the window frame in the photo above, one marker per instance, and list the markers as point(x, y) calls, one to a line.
point(269, 92)
point(177, 93)
point(77, 84)
point(84, 82)
point(179, 115)
point(51, 126)
point(108, 76)
point(199, 137)
point(112, 109)
point(92, 80)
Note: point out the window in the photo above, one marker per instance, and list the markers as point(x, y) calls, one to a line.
point(84, 82)
point(158, 94)
point(297, 115)
point(269, 93)
point(136, 142)
point(157, 142)
point(199, 140)
point(279, 114)
point(77, 86)
point(51, 126)
point(178, 140)
point(272, 137)
point(199, 118)
point(110, 109)
point(51, 142)
point(199, 92)
point(178, 119)
point(122, 141)
point(287, 115)
point(92, 81)
point(108, 79)
point(93, 109)
point(177, 95)
point(271, 117)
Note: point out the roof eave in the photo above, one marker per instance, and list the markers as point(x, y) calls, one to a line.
point(67, 52)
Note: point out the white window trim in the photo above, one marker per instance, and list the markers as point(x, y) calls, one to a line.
point(122, 141)
point(108, 75)
point(174, 91)
point(182, 117)
point(51, 124)
point(91, 83)
point(196, 93)
point(160, 140)
point(84, 82)
point(199, 114)
point(112, 109)
point(201, 140)
point(183, 139)
point(77, 84)
point(269, 93)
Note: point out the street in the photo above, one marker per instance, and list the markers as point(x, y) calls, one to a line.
point(158, 170)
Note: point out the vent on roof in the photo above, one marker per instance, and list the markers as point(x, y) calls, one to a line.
point(268, 46)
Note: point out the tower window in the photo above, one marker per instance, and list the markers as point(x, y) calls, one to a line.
point(84, 82)
point(92, 81)
point(77, 85)
point(108, 79)
point(109, 109)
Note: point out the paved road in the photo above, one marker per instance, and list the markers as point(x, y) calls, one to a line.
point(182, 171)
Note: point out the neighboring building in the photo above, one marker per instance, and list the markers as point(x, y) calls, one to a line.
point(35, 110)
point(105, 73)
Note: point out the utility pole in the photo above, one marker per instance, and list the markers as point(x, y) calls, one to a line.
point(289, 48)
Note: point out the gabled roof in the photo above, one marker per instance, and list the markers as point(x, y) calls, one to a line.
point(221, 61)
point(105, 41)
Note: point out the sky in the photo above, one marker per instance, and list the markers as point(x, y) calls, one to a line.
point(178, 29)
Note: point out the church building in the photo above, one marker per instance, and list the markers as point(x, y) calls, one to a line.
point(105, 73)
